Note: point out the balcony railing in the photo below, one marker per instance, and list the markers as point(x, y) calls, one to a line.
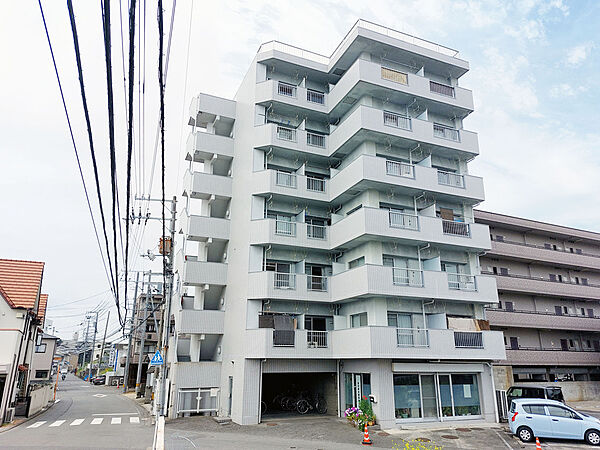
point(315, 184)
point(316, 231)
point(394, 75)
point(412, 337)
point(315, 97)
point(456, 228)
point(444, 132)
point(401, 220)
point(315, 140)
point(440, 88)
point(284, 280)
point(468, 339)
point(316, 283)
point(316, 339)
point(543, 247)
point(462, 282)
point(451, 179)
point(289, 90)
point(286, 134)
point(408, 277)
point(284, 338)
point(286, 179)
point(396, 120)
point(285, 228)
point(565, 280)
point(399, 169)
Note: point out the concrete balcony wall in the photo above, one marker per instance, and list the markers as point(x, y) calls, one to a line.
point(265, 136)
point(268, 91)
point(542, 255)
point(544, 287)
point(264, 231)
point(198, 374)
point(262, 285)
point(203, 145)
point(197, 273)
point(258, 343)
point(201, 228)
point(205, 103)
point(204, 185)
point(201, 321)
point(551, 358)
point(265, 182)
point(520, 319)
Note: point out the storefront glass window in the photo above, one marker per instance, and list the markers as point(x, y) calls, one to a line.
point(445, 395)
point(407, 396)
point(466, 395)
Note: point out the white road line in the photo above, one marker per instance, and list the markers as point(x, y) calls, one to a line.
point(97, 421)
point(58, 423)
point(503, 440)
point(116, 414)
point(134, 419)
point(37, 424)
point(115, 421)
point(77, 422)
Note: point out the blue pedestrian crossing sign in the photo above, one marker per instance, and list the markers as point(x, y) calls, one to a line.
point(157, 359)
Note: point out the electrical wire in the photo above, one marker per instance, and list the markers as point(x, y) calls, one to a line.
point(109, 277)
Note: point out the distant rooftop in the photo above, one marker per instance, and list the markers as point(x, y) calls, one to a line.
point(322, 59)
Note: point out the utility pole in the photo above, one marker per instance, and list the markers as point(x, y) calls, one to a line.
point(146, 315)
point(131, 329)
point(85, 345)
point(103, 342)
point(93, 346)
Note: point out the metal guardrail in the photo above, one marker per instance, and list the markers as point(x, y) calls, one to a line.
point(316, 339)
point(407, 277)
point(286, 179)
point(440, 88)
point(462, 282)
point(315, 140)
point(451, 179)
point(456, 228)
point(316, 283)
point(283, 280)
point(399, 169)
point(412, 337)
point(315, 184)
point(394, 75)
point(286, 134)
point(286, 89)
point(445, 132)
point(315, 97)
point(396, 120)
point(401, 220)
point(285, 228)
point(316, 231)
point(468, 339)
point(201, 399)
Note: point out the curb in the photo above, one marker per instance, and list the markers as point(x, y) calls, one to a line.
point(27, 419)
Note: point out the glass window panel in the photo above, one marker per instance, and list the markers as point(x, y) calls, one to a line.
point(407, 398)
point(366, 381)
point(557, 411)
point(445, 396)
point(392, 320)
point(348, 390)
point(429, 396)
point(466, 394)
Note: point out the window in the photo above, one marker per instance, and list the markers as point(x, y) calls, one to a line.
point(584, 281)
point(499, 238)
point(509, 306)
point(558, 411)
point(40, 349)
point(565, 310)
point(358, 320)
point(503, 271)
point(582, 310)
point(535, 409)
point(407, 396)
point(41, 374)
point(552, 277)
point(356, 262)
point(578, 251)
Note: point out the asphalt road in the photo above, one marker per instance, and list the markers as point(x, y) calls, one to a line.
point(84, 417)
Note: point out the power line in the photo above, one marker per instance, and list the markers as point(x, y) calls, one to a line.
point(162, 140)
point(74, 145)
point(77, 301)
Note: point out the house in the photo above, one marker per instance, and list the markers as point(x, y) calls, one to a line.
point(43, 358)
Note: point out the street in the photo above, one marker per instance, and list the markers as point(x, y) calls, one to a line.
point(84, 417)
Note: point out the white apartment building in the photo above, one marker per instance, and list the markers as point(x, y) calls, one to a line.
point(329, 238)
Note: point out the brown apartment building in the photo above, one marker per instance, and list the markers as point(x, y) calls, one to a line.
point(548, 279)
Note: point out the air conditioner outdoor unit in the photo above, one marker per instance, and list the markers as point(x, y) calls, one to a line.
point(9, 416)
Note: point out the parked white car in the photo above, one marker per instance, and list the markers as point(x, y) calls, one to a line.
point(531, 418)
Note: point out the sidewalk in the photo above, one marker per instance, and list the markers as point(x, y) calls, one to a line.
point(20, 420)
point(586, 405)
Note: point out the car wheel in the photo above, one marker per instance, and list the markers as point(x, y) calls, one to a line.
point(592, 437)
point(525, 434)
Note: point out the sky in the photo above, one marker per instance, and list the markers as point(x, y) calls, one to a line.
point(534, 67)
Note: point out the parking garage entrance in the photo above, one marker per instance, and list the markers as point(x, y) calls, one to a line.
point(297, 394)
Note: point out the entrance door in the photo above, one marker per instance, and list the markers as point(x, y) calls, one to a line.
point(429, 397)
point(357, 385)
point(514, 343)
point(564, 344)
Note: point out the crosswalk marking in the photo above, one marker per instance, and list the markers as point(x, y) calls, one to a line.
point(135, 419)
point(77, 422)
point(58, 423)
point(115, 421)
point(97, 421)
point(37, 424)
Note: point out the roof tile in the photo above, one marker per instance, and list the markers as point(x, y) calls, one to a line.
point(21, 281)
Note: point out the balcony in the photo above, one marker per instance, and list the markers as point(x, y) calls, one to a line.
point(197, 273)
point(204, 185)
point(535, 319)
point(296, 234)
point(288, 286)
point(202, 146)
point(198, 374)
point(274, 135)
point(367, 170)
point(290, 185)
point(201, 227)
point(530, 253)
point(381, 127)
point(551, 357)
point(541, 286)
point(193, 321)
point(290, 94)
point(270, 343)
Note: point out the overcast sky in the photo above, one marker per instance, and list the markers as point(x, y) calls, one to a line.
point(534, 67)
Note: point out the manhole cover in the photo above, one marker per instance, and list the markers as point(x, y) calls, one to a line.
point(421, 439)
point(271, 424)
point(449, 436)
point(464, 430)
point(383, 433)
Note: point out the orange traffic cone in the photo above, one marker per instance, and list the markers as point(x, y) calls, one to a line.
point(538, 446)
point(366, 440)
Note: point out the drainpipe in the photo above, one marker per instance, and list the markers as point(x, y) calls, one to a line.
point(494, 392)
point(260, 390)
point(339, 398)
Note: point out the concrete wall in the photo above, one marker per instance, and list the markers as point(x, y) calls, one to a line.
point(40, 398)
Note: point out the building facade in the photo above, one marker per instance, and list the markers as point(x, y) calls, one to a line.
point(329, 244)
point(548, 279)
